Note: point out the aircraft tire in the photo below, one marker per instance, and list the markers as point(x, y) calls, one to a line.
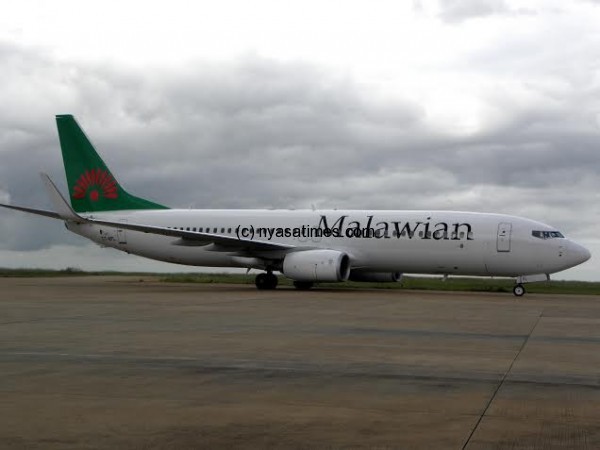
point(519, 290)
point(265, 281)
point(272, 281)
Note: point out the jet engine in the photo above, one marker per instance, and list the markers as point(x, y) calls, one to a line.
point(317, 265)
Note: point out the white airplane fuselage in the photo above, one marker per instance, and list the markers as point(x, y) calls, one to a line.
point(427, 242)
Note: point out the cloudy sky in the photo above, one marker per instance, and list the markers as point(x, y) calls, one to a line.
point(482, 105)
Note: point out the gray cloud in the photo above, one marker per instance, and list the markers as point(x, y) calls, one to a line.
point(459, 10)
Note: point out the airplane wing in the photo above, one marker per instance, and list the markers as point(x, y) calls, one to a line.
point(191, 238)
point(222, 242)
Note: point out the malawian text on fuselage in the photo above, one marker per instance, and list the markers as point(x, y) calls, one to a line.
point(371, 227)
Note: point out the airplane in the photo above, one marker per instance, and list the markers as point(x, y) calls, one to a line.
point(307, 246)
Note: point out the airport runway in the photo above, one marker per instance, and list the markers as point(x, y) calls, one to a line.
point(113, 362)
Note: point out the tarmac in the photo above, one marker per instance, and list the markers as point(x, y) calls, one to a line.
point(122, 362)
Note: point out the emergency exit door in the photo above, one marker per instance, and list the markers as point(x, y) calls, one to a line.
point(503, 241)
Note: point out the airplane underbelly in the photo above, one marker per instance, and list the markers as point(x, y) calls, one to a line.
point(435, 257)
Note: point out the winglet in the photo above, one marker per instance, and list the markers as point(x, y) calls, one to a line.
point(63, 209)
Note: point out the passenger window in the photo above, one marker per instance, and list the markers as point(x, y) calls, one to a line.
point(222, 230)
point(229, 230)
point(200, 229)
point(215, 230)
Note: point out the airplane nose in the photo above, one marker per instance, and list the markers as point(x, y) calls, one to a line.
point(578, 253)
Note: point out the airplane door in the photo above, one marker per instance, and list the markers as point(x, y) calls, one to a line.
point(121, 237)
point(503, 240)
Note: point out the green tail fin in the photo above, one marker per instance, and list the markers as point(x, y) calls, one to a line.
point(91, 185)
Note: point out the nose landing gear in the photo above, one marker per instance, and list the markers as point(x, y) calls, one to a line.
point(519, 290)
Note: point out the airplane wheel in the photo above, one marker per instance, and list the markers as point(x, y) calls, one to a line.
point(303, 285)
point(272, 281)
point(519, 290)
point(265, 281)
point(261, 281)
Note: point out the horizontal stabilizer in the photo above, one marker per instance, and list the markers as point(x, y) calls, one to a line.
point(39, 212)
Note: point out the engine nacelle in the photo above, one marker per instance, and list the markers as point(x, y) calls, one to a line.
point(376, 277)
point(317, 265)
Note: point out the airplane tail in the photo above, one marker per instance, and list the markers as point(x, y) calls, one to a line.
point(92, 186)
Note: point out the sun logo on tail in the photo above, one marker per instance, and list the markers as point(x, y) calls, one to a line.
point(96, 182)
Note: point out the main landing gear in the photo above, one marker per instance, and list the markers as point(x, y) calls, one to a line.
point(266, 281)
point(519, 290)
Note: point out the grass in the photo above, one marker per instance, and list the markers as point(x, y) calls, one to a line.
point(408, 282)
point(68, 272)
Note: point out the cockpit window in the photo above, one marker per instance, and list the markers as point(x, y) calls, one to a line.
point(547, 234)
